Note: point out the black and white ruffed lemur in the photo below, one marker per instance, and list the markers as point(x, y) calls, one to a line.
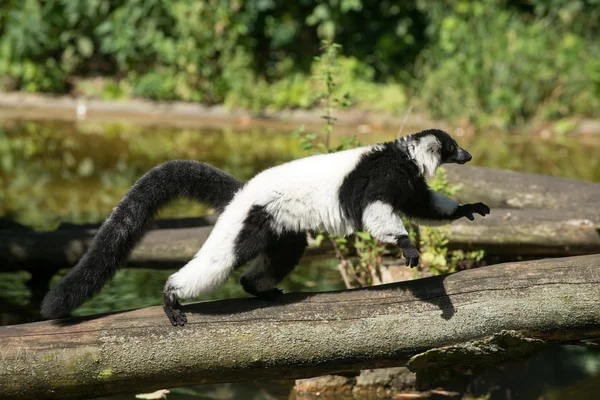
point(265, 220)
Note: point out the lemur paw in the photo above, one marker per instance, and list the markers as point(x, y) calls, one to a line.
point(176, 317)
point(467, 210)
point(411, 254)
point(172, 309)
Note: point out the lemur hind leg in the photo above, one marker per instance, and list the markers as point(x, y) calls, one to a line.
point(273, 265)
point(224, 250)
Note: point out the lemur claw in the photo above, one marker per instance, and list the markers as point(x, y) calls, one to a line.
point(411, 254)
point(412, 261)
point(171, 307)
point(176, 317)
point(467, 210)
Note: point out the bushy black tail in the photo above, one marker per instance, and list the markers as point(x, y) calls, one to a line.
point(128, 222)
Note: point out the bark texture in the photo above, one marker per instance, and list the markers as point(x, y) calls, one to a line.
point(305, 334)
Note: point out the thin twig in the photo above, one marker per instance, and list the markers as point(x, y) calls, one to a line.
point(404, 121)
point(344, 265)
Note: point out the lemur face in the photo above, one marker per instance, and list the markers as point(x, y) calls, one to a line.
point(447, 148)
point(453, 153)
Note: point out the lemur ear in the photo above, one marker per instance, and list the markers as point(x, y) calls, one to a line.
point(433, 147)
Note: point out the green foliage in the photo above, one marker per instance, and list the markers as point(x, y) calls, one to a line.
point(494, 62)
point(496, 65)
point(325, 97)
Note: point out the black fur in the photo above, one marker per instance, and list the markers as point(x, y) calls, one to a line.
point(281, 256)
point(390, 175)
point(129, 220)
point(281, 253)
point(451, 152)
point(411, 254)
point(255, 235)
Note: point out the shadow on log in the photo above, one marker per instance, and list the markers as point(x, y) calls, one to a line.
point(306, 334)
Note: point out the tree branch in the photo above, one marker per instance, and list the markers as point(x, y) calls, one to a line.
point(303, 335)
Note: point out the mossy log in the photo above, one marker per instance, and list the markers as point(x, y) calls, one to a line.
point(532, 215)
point(307, 334)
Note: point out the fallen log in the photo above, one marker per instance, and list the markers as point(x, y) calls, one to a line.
point(500, 188)
point(527, 232)
point(307, 334)
point(505, 232)
point(532, 215)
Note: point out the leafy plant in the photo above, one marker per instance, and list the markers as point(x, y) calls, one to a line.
point(361, 270)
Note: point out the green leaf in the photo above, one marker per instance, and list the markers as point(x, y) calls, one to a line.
point(364, 235)
point(85, 46)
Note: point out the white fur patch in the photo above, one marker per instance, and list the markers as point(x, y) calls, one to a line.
point(426, 153)
point(383, 222)
point(213, 263)
point(302, 195)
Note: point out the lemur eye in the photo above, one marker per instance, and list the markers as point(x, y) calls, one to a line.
point(451, 147)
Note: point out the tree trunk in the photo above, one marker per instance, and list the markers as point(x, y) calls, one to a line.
point(307, 334)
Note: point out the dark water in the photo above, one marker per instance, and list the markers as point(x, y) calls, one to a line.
point(65, 171)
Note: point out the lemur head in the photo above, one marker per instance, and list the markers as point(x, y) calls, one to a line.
point(431, 148)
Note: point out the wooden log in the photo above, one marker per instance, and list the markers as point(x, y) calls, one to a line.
point(35, 251)
point(305, 334)
point(520, 190)
point(532, 215)
point(527, 232)
point(505, 232)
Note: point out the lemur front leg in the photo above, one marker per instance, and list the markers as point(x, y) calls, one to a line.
point(385, 225)
point(438, 209)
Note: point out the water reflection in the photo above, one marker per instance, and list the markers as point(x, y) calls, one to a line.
point(76, 171)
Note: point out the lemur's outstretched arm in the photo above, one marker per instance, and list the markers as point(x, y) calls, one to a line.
point(437, 209)
point(385, 225)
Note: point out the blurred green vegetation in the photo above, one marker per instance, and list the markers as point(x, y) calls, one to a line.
point(490, 62)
